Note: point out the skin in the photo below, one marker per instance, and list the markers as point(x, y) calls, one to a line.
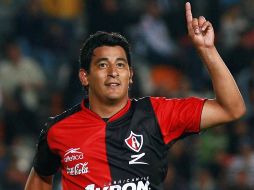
point(38, 182)
point(228, 104)
point(109, 78)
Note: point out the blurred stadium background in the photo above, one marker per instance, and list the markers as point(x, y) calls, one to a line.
point(39, 49)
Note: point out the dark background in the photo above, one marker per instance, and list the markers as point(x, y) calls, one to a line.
point(39, 49)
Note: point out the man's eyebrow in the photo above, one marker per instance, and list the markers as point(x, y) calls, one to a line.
point(122, 59)
point(101, 59)
point(106, 59)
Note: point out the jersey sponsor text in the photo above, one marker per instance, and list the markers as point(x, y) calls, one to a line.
point(78, 169)
point(140, 185)
point(73, 154)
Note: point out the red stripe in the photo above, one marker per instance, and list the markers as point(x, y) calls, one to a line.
point(84, 131)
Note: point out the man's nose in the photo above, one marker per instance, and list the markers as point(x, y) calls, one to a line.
point(112, 71)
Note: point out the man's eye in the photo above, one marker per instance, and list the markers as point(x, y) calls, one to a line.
point(120, 65)
point(102, 65)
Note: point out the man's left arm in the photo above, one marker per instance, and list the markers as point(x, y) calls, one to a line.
point(228, 104)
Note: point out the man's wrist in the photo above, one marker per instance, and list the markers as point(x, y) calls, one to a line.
point(206, 49)
point(208, 54)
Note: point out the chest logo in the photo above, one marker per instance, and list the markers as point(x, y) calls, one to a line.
point(134, 142)
point(73, 154)
point(72, 151)
point(74, 161)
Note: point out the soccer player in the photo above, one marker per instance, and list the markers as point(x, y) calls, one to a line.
point(110, 142)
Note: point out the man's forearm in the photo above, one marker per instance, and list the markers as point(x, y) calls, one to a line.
point(226, 91)
point(36, 182)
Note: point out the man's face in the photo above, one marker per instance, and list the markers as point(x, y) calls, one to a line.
point(109, 76)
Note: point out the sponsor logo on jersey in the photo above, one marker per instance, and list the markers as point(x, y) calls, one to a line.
point(128, 184)
point(135, 143)
point(78, 169)
point(73, 154)
point(72, 151)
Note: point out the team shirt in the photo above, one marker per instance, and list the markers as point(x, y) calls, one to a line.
point(126, 152)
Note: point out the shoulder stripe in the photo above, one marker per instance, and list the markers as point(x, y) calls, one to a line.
point(53, 120)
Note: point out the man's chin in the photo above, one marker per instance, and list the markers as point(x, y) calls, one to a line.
point(114, 98)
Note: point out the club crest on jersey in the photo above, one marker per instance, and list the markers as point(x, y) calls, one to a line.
point(134, 142)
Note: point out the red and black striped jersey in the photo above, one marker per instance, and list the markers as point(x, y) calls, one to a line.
point(129, 151)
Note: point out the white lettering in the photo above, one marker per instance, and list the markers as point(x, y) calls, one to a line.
point(137, 157)
point(142, 186)
point(127, 186)
point(80, 168)
point(73, 157)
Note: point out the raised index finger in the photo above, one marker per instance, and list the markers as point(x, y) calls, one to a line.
point(188, 16)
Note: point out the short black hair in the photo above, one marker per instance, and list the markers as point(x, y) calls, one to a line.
point(99, 39)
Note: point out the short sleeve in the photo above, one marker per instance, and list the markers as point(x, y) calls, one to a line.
point(46, 162)
point(178, 117)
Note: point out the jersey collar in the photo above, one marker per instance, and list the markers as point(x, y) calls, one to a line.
point(116, 116)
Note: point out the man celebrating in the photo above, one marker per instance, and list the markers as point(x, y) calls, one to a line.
point(111, 142)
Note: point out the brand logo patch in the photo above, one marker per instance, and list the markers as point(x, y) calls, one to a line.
point(72, 151)
point(73, 154)
point(134, 142)
point(80, 168)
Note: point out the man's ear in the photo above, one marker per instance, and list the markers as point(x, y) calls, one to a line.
point(131, 76)
point(83, 77)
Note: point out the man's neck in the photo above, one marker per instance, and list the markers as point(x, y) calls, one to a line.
point(107, 110)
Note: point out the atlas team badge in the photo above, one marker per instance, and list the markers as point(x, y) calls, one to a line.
point(134, 142)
